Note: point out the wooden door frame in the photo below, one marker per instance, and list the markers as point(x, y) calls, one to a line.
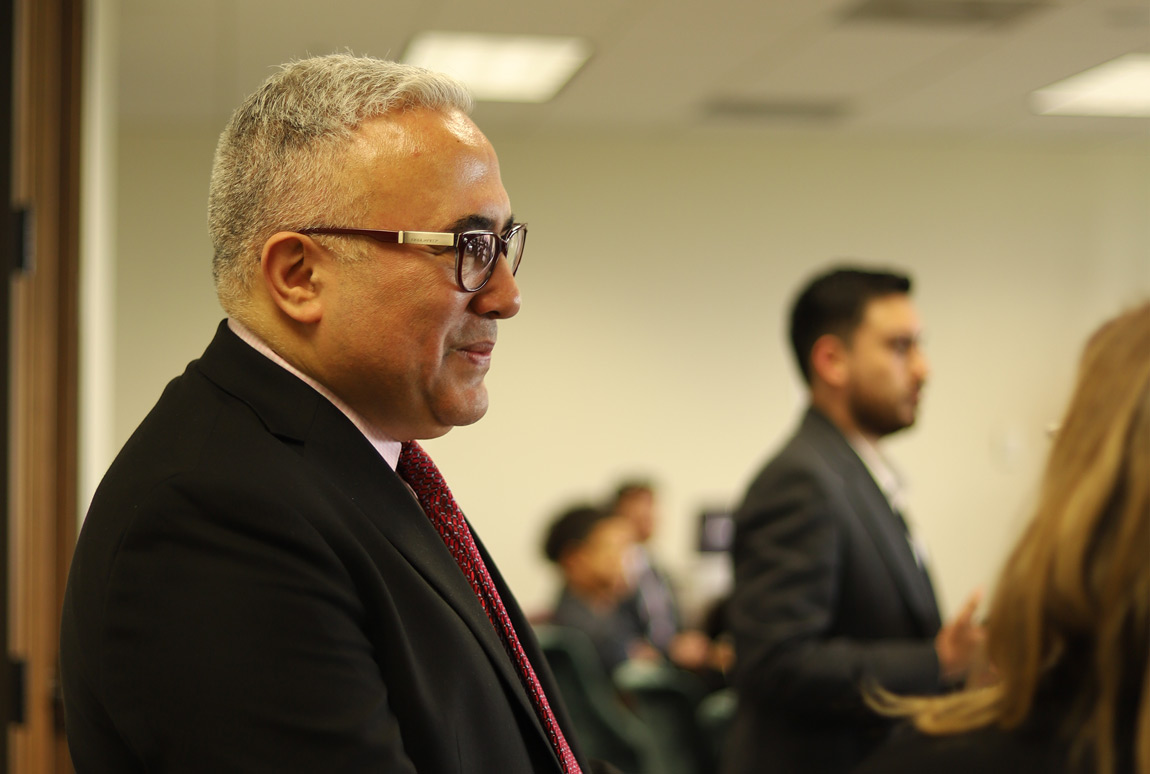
point(43, 362)
point(8, 265)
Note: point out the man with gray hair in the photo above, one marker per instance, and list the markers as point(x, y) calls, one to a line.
point(273, 576)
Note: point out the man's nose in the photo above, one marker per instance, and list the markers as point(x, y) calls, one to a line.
point(500, 296)
point(920, 365)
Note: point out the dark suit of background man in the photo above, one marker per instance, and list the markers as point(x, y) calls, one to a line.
point(831, 592)
point(255, 589)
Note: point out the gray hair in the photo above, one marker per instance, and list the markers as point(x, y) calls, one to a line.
point(277, 162)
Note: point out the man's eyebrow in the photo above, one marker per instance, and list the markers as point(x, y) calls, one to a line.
point(479, 223)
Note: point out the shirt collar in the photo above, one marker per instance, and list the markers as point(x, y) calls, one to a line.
point(880, 469)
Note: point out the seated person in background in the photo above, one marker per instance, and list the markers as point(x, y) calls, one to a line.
point(588, 545)
point(1069, 626)
point(652, 604)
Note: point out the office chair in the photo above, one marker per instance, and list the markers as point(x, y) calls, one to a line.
point(667, 698)
point(606, 729)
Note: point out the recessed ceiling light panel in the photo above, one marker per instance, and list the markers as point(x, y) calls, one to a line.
point(502, 68)
point(944, 12)
point(1120, 88)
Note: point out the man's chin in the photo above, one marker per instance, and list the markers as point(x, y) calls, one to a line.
point(884, 426)
point(904, 422)
point(464, 409)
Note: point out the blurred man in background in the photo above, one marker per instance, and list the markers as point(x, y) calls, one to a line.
point(653, 604)
point(832, 591)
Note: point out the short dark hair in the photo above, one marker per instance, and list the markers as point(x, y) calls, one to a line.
point(834, 302)
point(570, 528)
point(632, 486)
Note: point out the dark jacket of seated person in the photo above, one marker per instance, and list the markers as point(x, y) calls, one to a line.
point(588, 545)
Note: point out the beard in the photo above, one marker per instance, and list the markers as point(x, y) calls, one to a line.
point(881, 416)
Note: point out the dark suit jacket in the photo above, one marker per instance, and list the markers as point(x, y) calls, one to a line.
point(255, 590)
point(653, 607)
point(984, 751)
point(827, 597)
point(612, 632)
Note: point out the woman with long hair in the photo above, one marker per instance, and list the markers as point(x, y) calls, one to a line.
point(1068, 628)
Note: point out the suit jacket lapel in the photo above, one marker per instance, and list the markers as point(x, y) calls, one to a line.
point(891, 540)
point(297, 414)
point(538, 661)
point(874, 511)
point(337, 446)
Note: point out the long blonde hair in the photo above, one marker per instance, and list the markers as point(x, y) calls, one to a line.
point(1077, 584)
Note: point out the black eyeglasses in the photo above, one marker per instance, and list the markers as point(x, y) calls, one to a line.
point(476, 252)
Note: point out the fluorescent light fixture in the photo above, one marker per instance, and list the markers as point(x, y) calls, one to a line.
point(1120, 87)
point(502, 68)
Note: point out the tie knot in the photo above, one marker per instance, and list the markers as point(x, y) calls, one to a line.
point(414, 464)
point(410, 451)
point(424, 478)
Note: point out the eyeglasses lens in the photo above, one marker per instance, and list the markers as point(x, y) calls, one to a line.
point(515, 247)
point(480, 251)
point(477, 254)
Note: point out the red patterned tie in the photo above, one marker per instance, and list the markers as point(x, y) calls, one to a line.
point(417, 469)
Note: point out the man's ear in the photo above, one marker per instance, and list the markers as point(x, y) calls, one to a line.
point(293, 267)
point(829, 362)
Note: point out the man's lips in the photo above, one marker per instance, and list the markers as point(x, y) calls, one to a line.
point(478, 352)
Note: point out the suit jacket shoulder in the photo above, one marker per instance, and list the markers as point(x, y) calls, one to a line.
point(827, 598)
point(817, 481)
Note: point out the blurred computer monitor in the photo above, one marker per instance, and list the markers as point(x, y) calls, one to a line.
point(716, 530)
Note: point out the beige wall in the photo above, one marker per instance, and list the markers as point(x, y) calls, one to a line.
point(651, 338)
